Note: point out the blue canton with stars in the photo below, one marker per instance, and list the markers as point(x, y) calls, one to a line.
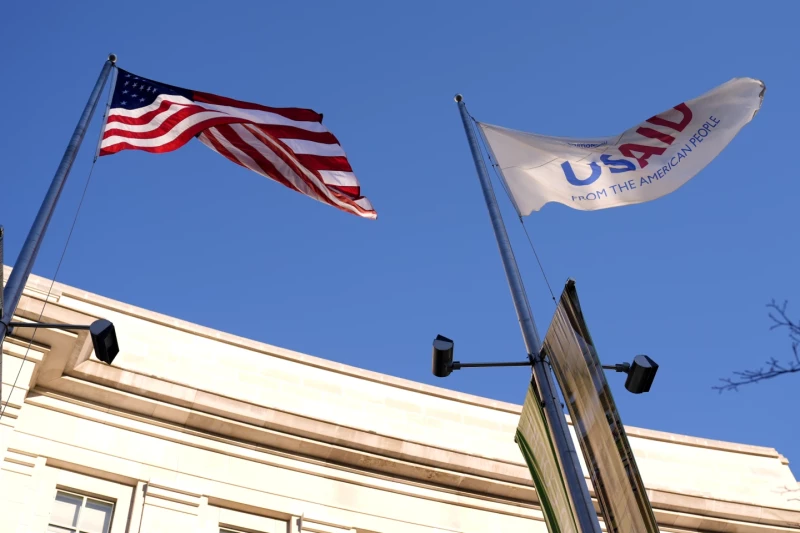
point(133, 92)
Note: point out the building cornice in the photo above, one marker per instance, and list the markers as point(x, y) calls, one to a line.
point(67, 379)
point(37, 288)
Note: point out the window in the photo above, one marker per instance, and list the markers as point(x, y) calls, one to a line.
point(231, 521)
point(73, 513)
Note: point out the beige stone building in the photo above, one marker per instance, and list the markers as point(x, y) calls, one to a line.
point(195, 430)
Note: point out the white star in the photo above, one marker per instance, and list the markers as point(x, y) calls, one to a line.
point(127, 75)
point(125, 91)
point(123, 102)
point(134, 95)
point(141, 99)
point(134, 85)
point(127, 82)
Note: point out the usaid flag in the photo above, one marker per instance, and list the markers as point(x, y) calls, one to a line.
point(643, 163)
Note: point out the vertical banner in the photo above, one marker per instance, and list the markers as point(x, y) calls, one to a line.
point(2, 274)
point(536, 444)
point(612, 467)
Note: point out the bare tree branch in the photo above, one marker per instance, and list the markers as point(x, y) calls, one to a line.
point(774, 367)
point(786, 491)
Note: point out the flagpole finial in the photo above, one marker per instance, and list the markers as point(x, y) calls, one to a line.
point(112, 58)
point(459, 98)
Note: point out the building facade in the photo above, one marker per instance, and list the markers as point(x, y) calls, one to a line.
point(195, 430)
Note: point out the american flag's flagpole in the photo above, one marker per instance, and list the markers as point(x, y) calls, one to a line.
point(22, 267)
point(114, 73)
point(577, 489)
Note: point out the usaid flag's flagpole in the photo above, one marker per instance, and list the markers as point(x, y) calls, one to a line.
point(577, 489)
point(22, 268)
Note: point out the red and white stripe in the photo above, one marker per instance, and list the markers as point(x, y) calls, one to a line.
point(288, 145)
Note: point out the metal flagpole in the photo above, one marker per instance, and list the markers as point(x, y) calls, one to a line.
point(114, 73)
point(577, 489)
point(22, 268)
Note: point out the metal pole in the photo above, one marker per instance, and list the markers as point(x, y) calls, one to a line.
point(458, 366)
point(45, 325)
point(2, 284)
point(114, 73)
point(577, 489)
point(22, 268)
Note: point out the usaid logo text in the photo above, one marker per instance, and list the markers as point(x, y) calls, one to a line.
point(635, 151)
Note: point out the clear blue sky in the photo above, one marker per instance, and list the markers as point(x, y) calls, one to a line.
point(684, 279)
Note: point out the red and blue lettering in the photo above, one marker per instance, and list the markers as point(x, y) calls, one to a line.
point(639, 152)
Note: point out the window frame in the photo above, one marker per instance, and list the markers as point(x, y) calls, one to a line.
point(234, 521)
point(84, 499)
point(96, 483)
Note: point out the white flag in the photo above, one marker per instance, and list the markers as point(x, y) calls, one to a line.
point(643, 163)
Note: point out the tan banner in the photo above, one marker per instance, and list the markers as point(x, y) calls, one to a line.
point(612, 467)
point(535, 442)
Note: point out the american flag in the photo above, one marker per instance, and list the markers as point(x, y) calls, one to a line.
point(289, 145)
